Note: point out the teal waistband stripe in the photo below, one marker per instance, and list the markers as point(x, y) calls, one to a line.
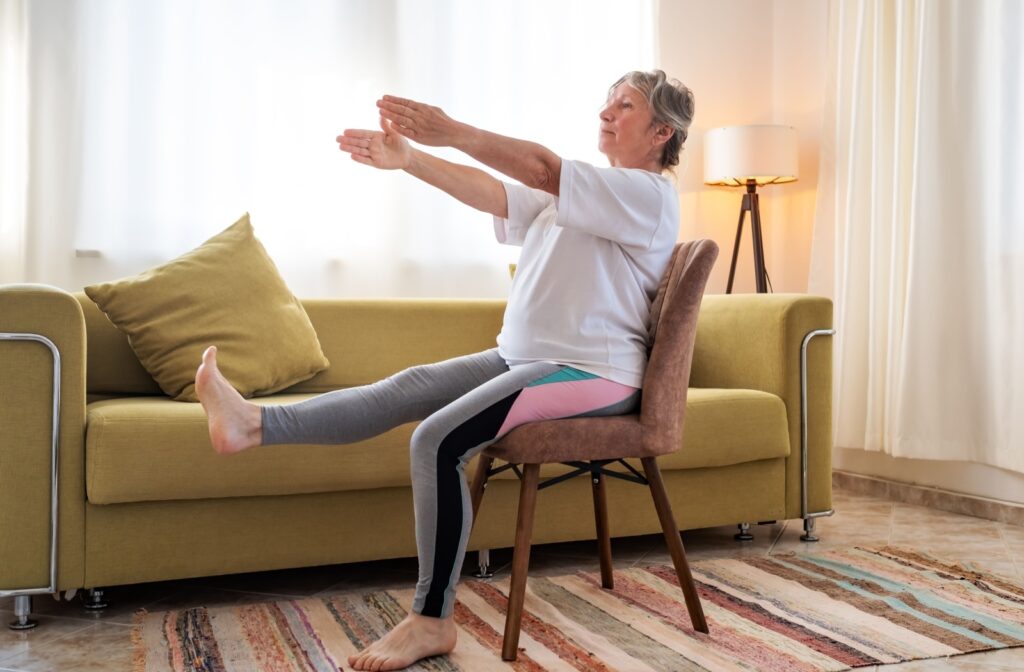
point(567, 374)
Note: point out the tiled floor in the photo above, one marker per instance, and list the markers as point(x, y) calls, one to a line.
point(69, 639)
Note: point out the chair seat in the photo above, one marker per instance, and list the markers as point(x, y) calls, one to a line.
point(567, 439)
point(757, 420)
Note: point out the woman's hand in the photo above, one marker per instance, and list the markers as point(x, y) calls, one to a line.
point(426, 124)
point(386, 150)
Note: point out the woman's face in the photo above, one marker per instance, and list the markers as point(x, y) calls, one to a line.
point(626, 136)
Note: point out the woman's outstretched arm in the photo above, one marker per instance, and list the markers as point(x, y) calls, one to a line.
point(532, 164)
point(388, 150)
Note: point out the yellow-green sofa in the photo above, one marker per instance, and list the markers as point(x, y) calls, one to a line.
point(142, 497)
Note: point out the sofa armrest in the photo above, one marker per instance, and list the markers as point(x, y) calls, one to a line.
point(753, 341)
point(26, 436)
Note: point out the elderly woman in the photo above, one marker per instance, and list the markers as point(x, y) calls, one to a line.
point(595, 243)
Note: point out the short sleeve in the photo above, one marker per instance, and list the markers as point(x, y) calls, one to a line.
point(619, 204)
point(524, 205)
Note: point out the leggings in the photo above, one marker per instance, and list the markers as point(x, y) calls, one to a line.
point(465, 404)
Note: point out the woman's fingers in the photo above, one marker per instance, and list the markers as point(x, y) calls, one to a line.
point(423, 123)
point(395, 106)
point(385, 149)
point(357, 133)
point(354, 146)
point(357, 151)
point(404, 131)
point(403, 126)
point(400, 101)
point(397, 116)
point(354, 142)
point(406, 113)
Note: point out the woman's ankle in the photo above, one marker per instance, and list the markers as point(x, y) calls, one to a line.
point(255, 429)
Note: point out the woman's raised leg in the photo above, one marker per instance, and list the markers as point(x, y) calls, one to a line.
point(342, 416)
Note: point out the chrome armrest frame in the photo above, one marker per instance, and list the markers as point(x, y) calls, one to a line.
point(52, 588)
point(808, 516)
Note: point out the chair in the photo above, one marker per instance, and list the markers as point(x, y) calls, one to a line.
point(590, 443)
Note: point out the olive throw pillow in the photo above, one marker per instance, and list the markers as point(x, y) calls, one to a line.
point(226, 292)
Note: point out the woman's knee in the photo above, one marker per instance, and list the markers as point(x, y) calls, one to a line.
point(432, 436)
point(425, 440)
point(407, 375)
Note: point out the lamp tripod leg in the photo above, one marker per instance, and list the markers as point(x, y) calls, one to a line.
point(736, 245)
point(760, 275)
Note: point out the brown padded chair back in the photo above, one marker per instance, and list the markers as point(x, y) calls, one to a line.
point(657, 428)
point(672, 332)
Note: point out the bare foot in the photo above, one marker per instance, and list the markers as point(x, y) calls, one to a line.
point(235, 424)
point(415, 638)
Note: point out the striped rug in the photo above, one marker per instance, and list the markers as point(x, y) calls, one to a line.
point(828, 611)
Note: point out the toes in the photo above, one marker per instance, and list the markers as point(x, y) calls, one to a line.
point(210, 356)
point(360, 660)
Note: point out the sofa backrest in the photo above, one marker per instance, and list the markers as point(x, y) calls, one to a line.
point(111, 366)
point(364, 339)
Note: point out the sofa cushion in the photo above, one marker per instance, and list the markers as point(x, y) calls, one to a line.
point(226, 292)
point(725, 426)
point(154, 449)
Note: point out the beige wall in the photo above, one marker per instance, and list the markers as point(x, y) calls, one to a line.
point(749, 62)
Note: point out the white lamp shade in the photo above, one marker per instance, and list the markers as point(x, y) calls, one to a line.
point(766, 153)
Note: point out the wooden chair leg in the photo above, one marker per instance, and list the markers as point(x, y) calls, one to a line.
point(604, 540)
point(476, 490)
point(675, 543)
point(520, 560)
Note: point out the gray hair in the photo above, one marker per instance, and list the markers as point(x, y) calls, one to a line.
point(671, 103)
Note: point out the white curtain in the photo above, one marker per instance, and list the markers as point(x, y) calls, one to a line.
point(180, 115)
point(920, 227)
point(13, 135)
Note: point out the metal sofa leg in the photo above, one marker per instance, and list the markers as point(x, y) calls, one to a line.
point(483, 570)
point(808, 534)
point(23, 609)
point(94, 601)
point(744, 533)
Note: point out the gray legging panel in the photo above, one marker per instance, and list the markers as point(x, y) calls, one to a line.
point(358, 413)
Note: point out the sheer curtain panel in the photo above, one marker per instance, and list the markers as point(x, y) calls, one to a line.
point(920, 227)
point(176, 116)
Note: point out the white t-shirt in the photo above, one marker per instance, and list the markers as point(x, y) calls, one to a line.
point(589, 270)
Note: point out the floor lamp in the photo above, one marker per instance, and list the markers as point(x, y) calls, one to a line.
point(750, 156)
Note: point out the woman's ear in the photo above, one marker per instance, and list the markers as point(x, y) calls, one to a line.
point(663, 134)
